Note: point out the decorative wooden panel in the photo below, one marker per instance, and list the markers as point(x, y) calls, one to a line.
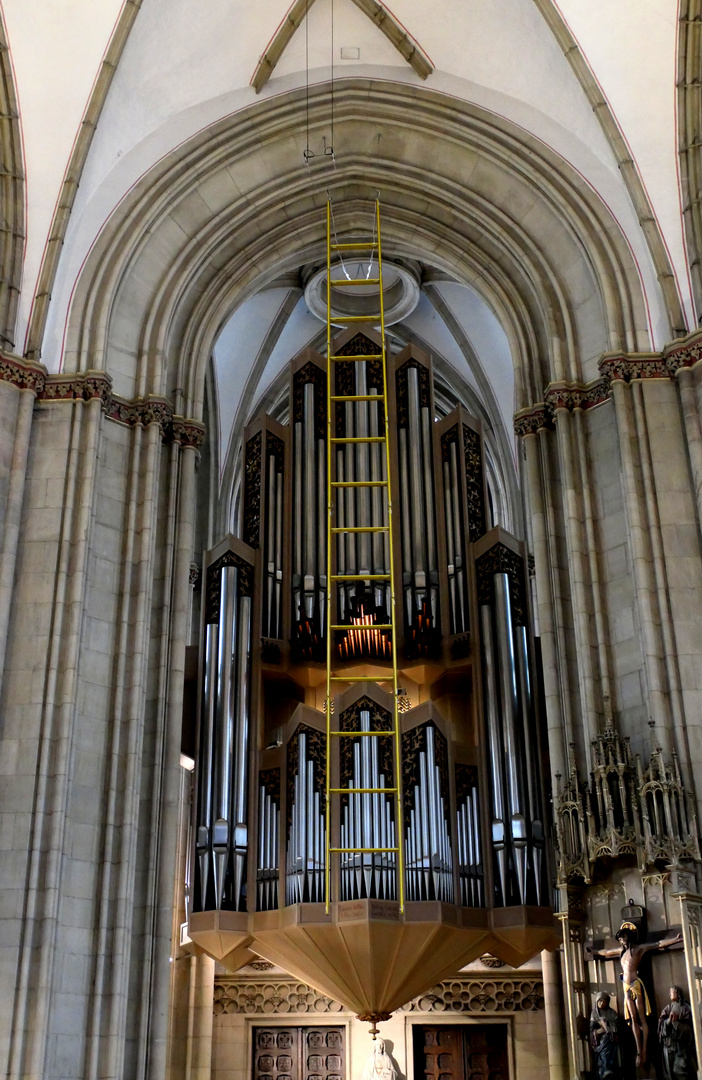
point(461, 1052)
point(297, 1053)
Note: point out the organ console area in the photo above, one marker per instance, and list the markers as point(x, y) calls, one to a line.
point(477, 875)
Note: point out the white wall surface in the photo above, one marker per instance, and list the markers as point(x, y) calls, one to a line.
point(184, 68)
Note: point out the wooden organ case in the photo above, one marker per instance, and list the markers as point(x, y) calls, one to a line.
point(477, 870)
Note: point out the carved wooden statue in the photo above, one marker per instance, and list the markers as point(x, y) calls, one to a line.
point(604, 1039)
point(636, 1003)
point(677, 1038)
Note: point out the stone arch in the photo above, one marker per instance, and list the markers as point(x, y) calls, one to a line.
point(461, 189)
point(11, 198)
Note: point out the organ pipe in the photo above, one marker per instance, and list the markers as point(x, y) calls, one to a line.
point(428, 842)
point(222, 798)
point(415, 458)
point(367, 819)
point(473, 802)
point(309, 581)
point(515, 793)
point(305, 858)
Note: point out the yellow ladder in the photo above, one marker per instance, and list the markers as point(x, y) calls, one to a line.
point(333, 487)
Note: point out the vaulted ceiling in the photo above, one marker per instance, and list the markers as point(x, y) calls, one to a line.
point(106, 91)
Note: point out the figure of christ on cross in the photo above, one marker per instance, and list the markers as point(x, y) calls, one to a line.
point(636, 1003)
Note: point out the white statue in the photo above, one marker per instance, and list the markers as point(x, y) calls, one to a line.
point(379, 1065)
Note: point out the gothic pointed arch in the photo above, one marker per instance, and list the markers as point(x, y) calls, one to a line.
point(12, 233)
point(72, 176)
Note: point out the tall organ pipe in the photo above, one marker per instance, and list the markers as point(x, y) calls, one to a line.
point(513, 757)
point(496, 752)
point(534, 810)
point(204, 818)
point(310, 558)
point(420, 528)
point(221, 839)
point(241, 742)
point(223, 748)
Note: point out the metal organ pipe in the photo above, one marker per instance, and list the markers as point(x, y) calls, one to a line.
point(460, 621)
point(270, 627)
point(513, 757)
point(305, 843)
point(495, 750)
point(534, 807)
point(297, 529)
point(429, 856)
point(311, 525)
point(416, 476)
point(407, 560)
point(450, 548)
point(366, 821)
point(241, 755)
point(223, 750)
point(278, 555)
point(204, 819)
point(221, 839)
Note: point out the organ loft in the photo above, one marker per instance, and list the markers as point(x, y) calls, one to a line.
point(370, 805)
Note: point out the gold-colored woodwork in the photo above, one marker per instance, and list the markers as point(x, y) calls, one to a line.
point(219, 933)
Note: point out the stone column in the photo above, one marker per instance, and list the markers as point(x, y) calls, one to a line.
point(554, 1011)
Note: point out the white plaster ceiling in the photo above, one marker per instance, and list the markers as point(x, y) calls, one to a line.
point(186, 67)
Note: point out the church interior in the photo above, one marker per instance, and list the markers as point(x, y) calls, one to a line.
point(350, 540)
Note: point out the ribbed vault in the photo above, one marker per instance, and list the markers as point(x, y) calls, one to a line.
point(461, 189)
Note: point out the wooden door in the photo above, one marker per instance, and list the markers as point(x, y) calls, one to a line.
point(296, 1053)
point(461, 1052)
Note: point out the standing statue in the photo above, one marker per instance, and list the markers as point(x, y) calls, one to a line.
point(677, 1038)
point(636, 1004)
point(378, 1064)
point(604, 1039)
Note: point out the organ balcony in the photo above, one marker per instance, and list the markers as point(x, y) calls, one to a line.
point(430, 848)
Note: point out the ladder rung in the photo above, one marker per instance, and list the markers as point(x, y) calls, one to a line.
point(361, 850)
point(361, 626)
point(357, 397)
point(362, 438)
point(361, 528)
point(335, 282)
point(360, 356)
point(355, 318)
point(362, 791)
point(359, 483)
point(363, 245)
point(360, 678)
point(356, 734)
point(360, 577)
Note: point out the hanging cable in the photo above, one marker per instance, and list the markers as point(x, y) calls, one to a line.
point(329, 150)
point(307, 154)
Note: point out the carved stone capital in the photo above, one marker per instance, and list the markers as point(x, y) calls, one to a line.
point(628, 366)
point(89, 385)
point(189, 433)
point(22, 373)
point(142, 411)
point(560, 395)
point(529, 421)
point(684, 353)
point(572, 396)
point(78, 386)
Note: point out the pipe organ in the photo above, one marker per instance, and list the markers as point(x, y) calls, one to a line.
point(471, 831)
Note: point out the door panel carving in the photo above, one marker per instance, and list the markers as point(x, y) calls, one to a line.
point(461, 1052)
point(298, 1053)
